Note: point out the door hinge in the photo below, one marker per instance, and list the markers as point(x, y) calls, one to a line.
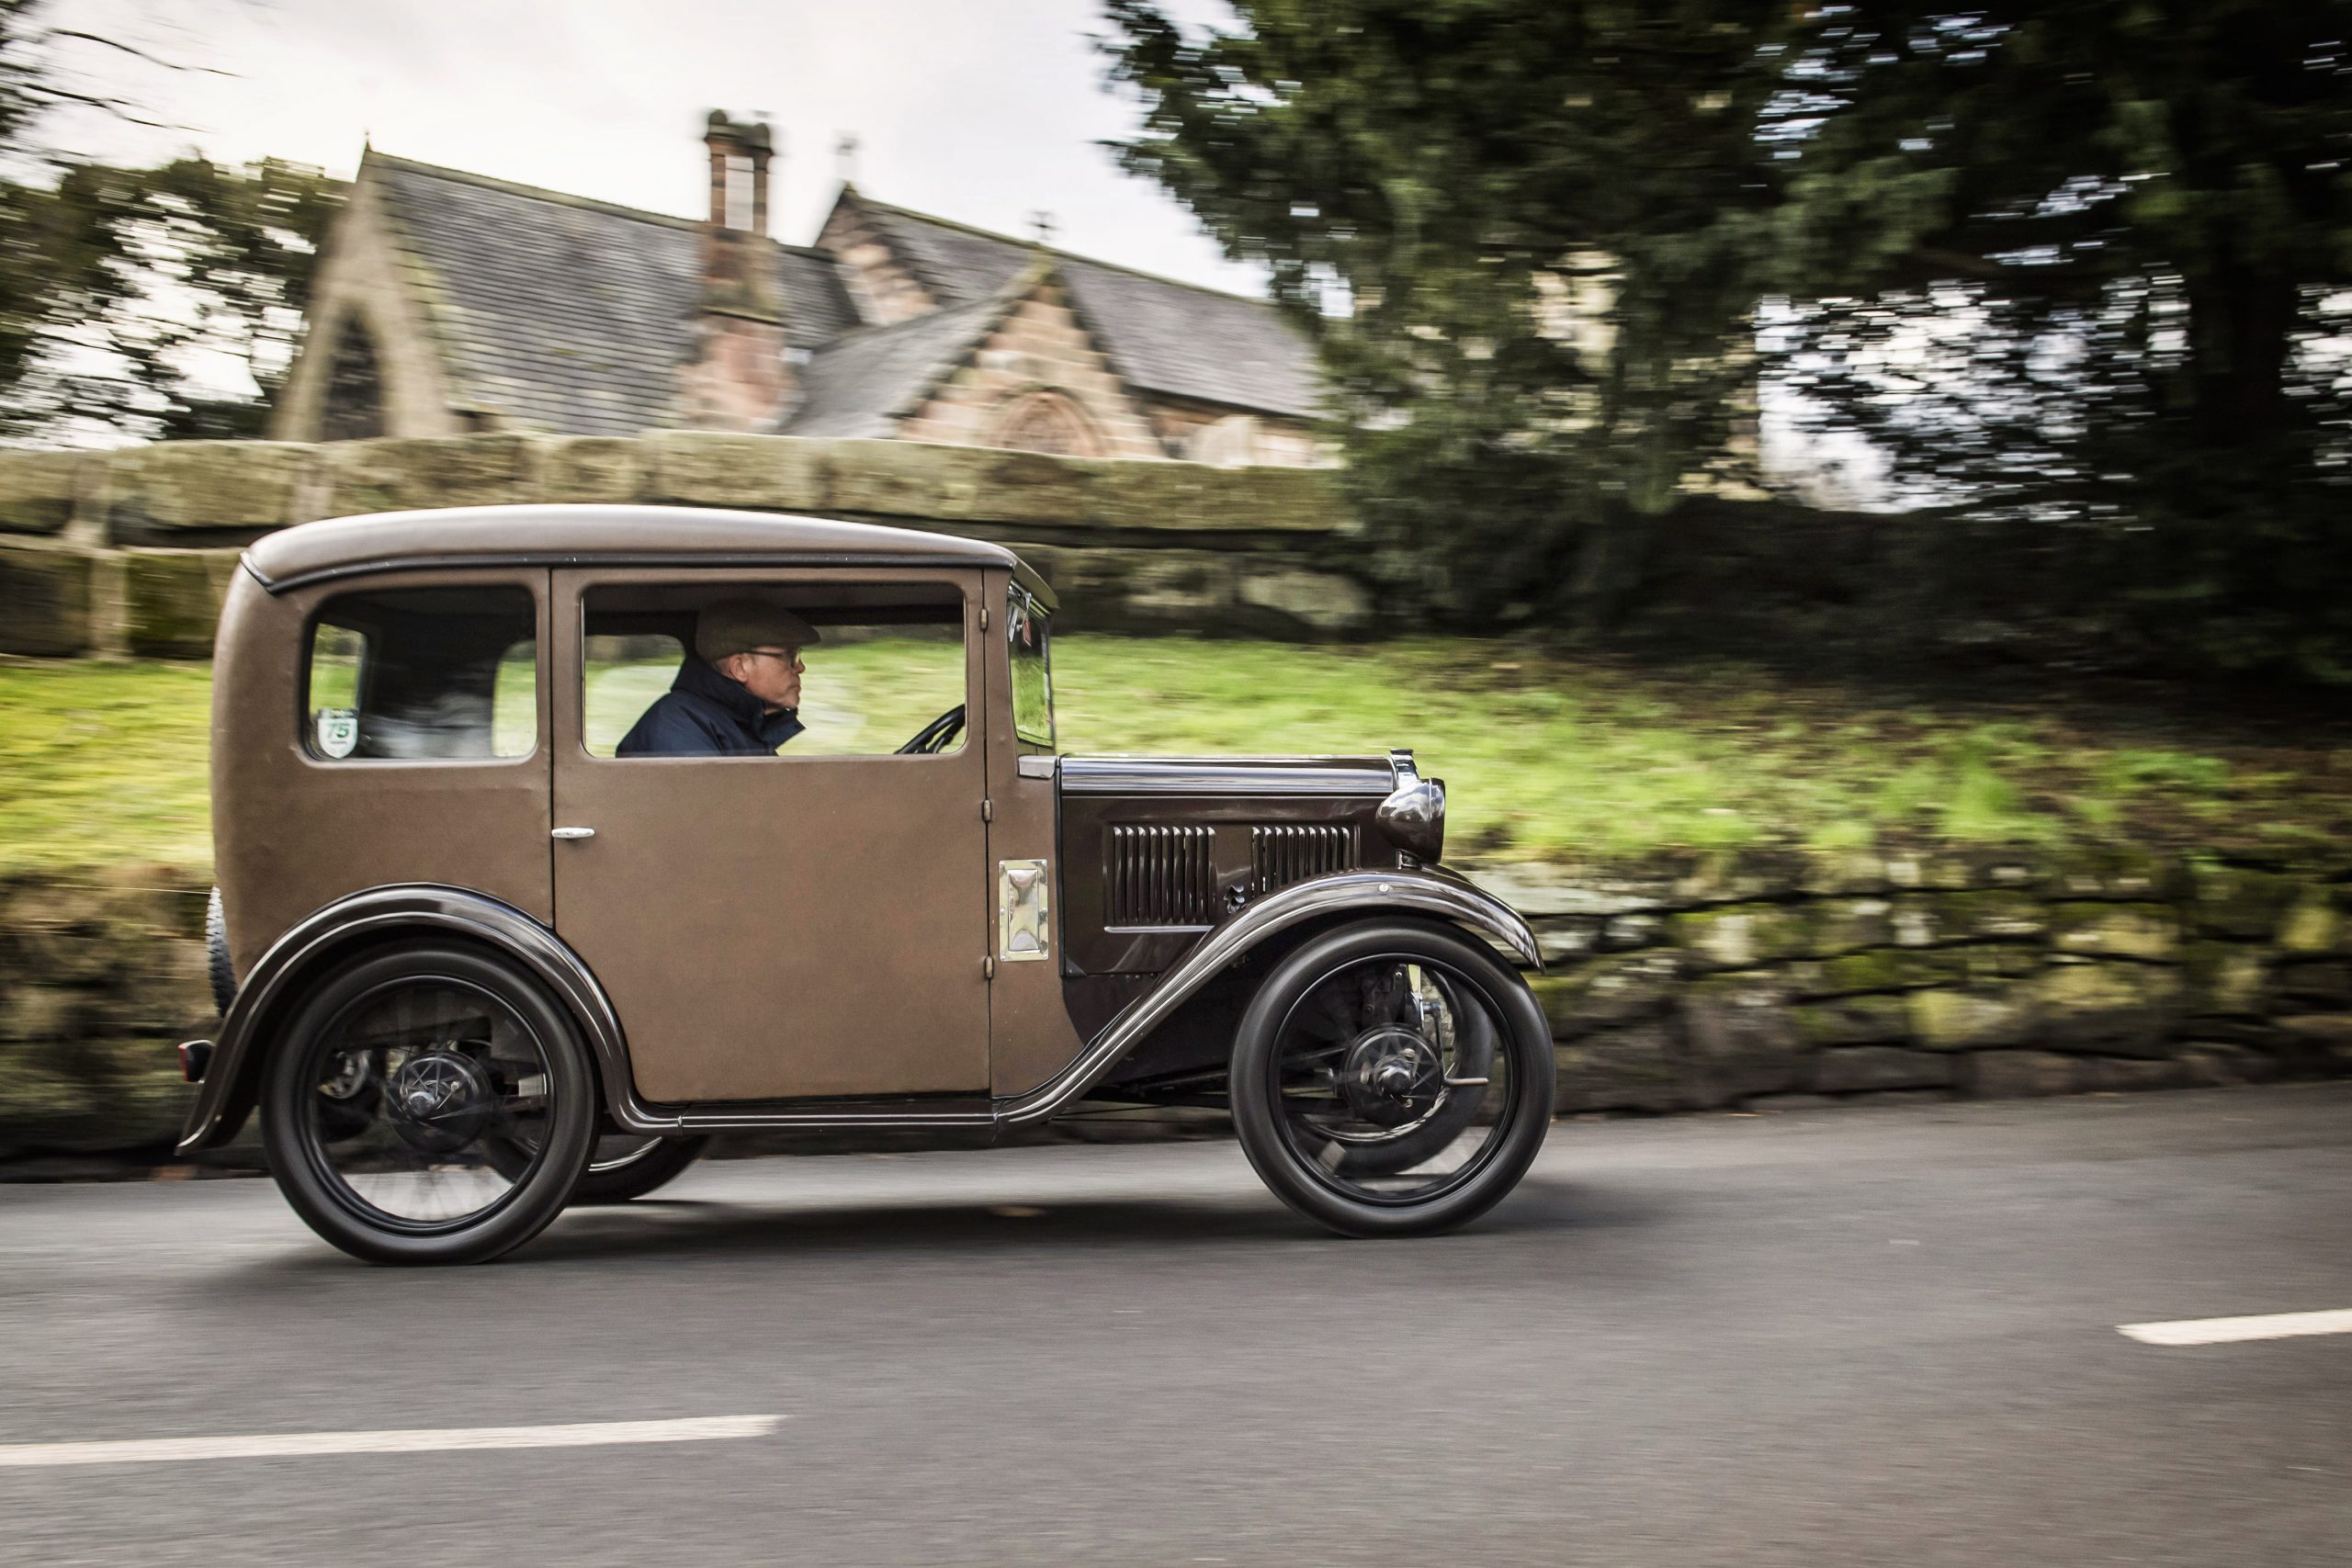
point(984, 617)
point(987, 968)
point(988, 809)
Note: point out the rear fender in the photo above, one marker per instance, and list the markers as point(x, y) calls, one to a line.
point(1320, 901)
point(232, 1078)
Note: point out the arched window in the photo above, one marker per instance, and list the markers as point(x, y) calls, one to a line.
point(354, 409)
point(1049, 423)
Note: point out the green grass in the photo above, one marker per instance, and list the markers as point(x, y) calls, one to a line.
point(1546, 757)
point(104, 763)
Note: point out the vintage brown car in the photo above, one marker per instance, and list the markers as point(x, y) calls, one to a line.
point(475, 966)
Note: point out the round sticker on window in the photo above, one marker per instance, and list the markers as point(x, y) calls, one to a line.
point(338, 732)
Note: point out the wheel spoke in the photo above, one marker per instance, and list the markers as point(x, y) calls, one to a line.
point(434, 1134)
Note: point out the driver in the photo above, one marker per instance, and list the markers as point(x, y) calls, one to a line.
point(738, 694)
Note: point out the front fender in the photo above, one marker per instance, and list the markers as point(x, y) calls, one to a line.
point(233, 1077)
point(1443, 894)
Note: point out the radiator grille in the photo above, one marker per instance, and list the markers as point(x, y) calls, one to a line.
point(1160, 876)
point(1282, 855)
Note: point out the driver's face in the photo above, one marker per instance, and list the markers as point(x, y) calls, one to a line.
point(771, 674)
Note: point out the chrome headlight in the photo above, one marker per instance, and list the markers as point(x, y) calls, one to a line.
point(1413, 816)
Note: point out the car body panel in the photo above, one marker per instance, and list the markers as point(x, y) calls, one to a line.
point(292, 833)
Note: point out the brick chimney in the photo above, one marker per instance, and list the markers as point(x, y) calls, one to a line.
point(737, 379)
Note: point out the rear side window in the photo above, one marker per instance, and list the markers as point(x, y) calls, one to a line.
point(423, 674)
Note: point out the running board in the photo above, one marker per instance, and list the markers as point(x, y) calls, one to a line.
point(816, 1115)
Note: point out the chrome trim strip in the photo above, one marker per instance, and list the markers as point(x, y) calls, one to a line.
point(1219, 775)
point(1371, 892)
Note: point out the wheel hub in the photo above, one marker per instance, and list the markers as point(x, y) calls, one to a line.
point(441, 1101)
point(350, 1076)
point(1391, 1075)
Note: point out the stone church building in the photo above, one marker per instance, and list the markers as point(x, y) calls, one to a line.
point(449, 303)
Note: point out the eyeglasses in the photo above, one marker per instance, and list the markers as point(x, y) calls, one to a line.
point(789, 655)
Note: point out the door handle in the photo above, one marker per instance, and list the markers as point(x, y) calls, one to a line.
point(573, 833)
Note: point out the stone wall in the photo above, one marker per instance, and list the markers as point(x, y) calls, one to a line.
point(1758, 982)
point(1777, 979)
point(123, 553)
point(100, 976)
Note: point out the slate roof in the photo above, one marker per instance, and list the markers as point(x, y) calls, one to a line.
point(566, 314)
point(1159, 334)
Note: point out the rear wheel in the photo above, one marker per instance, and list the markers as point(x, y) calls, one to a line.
point(395, 1094)
point(1392, 1079)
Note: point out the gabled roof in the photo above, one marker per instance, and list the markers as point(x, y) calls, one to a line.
point(567, 314)
point(858, 385)
point(1160, 336)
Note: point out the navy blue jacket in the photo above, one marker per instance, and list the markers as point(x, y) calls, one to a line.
point(704, 713)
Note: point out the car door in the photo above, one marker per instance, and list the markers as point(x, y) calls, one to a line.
point(771, 928)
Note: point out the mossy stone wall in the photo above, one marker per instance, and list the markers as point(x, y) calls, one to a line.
point(125, 552)
point(1781, 979)
point(100, 977)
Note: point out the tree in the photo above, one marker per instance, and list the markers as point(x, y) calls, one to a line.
point(1520, 231)
point(2086, 265)
point(2078, 268)
point(128, 297)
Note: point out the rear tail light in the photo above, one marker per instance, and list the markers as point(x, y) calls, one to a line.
point(194, 1056)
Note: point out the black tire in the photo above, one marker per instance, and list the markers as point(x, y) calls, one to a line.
point(1327, 1189)
point(342, 1020)
point(621, 1167)
point(222, 973)
point(635, 1174)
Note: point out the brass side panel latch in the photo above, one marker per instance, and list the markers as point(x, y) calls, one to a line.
point(1021, 932)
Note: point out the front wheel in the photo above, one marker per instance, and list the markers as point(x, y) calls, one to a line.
point(622, 1166)
point(1392, 1079)
point(394, 1094)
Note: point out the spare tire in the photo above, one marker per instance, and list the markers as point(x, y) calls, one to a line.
point(216, 954)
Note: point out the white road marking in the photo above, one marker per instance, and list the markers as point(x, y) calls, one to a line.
point(277, 1445)
point(2229, 1330)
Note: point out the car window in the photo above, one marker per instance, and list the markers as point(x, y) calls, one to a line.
point(1028, 630)
point(887, 662)
point(423, 674)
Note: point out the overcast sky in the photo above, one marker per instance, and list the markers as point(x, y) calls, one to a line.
point(978, 110)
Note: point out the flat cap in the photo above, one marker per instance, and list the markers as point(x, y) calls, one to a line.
point(738, 626)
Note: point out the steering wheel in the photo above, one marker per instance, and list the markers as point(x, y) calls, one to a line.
point(936, 736)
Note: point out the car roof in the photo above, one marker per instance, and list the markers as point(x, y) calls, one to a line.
point(603, 535)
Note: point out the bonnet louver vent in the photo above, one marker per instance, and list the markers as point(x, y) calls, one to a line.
point(1160, 876)
point(1282, 855)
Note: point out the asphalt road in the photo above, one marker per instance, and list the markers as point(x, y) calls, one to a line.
point(1819, 1338)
